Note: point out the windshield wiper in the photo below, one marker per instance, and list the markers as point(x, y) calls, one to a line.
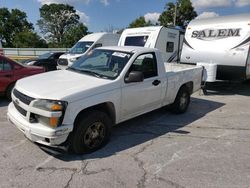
point(87, 72)
point(73, 69)
point(93, 73)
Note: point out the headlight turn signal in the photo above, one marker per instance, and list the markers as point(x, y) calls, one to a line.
point(56, 107)
point(54, 122)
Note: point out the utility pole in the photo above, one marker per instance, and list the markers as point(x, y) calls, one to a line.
point(175, 13)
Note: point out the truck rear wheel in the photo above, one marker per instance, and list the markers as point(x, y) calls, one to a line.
point(182, 101)
point(92, 132)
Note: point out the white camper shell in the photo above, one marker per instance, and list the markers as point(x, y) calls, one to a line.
point(224, 41)
point(167, 40)
point(86, 44)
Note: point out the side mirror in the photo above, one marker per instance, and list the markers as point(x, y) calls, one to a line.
point(134, 76)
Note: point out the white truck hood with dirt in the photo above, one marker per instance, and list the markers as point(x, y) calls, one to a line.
point(63, 85)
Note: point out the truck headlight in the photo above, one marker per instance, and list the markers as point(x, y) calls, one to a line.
point(51, 106)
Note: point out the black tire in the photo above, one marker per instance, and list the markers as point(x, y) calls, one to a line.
point(92, 132)
point(9, 91)
point(182, 101)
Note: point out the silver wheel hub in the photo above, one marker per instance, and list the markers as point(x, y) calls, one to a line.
point(94, 135)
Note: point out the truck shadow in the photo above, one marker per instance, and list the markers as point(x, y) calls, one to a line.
point(143, 129)
point(229, 88)
point(3, 102)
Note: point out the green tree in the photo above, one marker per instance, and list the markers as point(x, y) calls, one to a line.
point(29, 39)
point(140, 22)
point(74, 34)
point(184, 13)
point(11, 23)
point(56, 21)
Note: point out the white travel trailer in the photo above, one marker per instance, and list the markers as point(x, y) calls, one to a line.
point(86, 44)
point(224, 41)
point(167, 40)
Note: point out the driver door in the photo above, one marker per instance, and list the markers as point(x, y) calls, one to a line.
point(142, 96)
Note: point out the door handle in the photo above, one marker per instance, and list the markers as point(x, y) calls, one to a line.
point(7, 75)
point(156, 82)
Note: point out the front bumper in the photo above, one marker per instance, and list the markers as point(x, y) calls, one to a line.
point(37, 132)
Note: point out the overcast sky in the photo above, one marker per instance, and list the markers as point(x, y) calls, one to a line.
point(99, 15)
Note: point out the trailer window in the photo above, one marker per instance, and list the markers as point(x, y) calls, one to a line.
point(136, 41)
point(170, 47)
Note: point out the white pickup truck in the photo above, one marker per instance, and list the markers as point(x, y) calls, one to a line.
point(109, 85)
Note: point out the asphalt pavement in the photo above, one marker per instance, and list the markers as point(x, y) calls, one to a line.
point(208, 146)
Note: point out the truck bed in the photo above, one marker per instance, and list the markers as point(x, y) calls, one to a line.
point(178, 67)
point(178, 74)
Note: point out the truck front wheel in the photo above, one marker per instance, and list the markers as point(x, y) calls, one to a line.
point(182, 101)
point(91, 133)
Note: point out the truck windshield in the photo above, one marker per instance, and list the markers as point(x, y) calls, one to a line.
point(136, 41)
point(101, 63)
point(80, 47)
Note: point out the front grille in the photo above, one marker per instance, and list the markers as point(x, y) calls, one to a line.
point(62, 62)
point(20, 109)
point(24, 98)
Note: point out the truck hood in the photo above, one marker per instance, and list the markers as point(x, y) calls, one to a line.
point(63, 85)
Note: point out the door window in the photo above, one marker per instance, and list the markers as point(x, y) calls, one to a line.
point(147, 64)
point(4, 65)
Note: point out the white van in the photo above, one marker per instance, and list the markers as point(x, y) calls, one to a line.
point(86, 44)
point(167, 40)
point(224, 41)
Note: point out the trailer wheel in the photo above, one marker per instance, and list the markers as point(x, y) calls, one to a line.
point(182, 101)
point(92, 132)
